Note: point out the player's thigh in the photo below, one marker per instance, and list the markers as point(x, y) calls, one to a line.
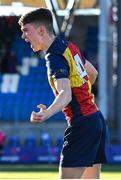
point(92, 172)
point(71, 173)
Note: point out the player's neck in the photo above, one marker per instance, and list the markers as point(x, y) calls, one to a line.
point(49, 41)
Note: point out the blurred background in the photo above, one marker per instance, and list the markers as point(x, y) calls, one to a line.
point(94, 25)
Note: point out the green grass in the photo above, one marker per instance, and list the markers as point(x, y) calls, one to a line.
point(32, 172)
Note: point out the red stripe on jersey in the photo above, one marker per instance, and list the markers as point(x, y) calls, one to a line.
point(68, 113)
point(85, 100)
point(81, 105)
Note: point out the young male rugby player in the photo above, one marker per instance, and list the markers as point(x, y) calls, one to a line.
point(70, 77)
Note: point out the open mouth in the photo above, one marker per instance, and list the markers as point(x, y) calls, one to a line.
point(26, 40)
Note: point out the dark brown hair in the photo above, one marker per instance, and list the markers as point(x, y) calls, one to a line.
point(38, 16)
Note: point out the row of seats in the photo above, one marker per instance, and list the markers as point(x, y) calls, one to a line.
point(20, 48)
point(31, 90)
point(31, 141)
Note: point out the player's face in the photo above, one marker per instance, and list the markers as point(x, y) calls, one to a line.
point(30, 33)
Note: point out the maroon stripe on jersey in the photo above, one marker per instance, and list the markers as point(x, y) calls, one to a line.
point(84, 99)
point(68, 113)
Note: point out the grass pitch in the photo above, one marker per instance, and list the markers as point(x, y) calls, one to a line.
point(33, 172)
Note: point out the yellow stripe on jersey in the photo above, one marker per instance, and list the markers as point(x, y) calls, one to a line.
point(75, 78)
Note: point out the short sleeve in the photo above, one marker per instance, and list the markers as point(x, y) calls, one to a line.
point(58, 67)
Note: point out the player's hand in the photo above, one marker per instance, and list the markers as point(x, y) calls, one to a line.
point(41, 115)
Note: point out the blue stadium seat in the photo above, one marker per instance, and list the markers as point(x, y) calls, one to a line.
point(46, 140)
point(21, 48)
point(30, 141)
point(14, 141)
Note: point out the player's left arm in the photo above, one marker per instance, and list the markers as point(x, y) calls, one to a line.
point(91, 71)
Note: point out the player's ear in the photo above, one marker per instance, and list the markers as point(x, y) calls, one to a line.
point(42, 30)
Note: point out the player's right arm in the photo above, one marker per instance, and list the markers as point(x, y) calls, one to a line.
point(62, 99)
point(59, 71)
point(91, 71)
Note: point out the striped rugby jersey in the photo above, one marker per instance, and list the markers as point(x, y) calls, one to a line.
point(64, 60)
